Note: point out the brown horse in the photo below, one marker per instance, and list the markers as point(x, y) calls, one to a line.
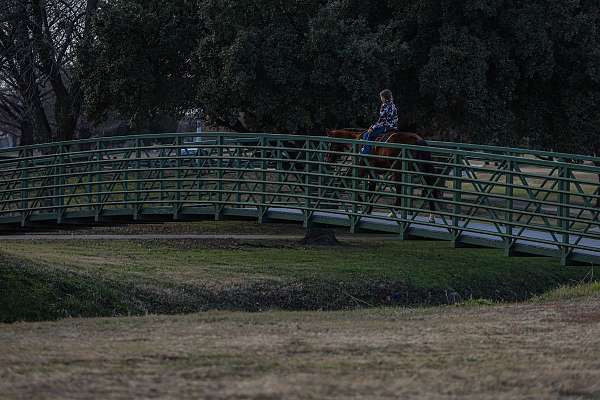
point(385, 158)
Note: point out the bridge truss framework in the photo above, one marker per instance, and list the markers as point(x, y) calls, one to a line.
point(522, 201)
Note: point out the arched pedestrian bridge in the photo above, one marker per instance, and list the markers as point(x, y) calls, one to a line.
point(526, 202)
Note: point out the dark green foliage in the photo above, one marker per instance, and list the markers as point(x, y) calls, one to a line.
point(141, 60)
point(489, 71)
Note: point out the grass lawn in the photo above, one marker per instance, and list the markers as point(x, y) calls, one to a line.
point(48, 280)
point(424, 263)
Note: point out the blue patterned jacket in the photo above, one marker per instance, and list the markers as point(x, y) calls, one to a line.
point(388, 117)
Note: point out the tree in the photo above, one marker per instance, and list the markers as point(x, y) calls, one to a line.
point(490, 71)
point(250, 61)
point(41, 41)
point(140, 63)
point(290, 66)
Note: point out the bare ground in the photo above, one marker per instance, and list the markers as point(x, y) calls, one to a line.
point(527, 351)
point(190, 228)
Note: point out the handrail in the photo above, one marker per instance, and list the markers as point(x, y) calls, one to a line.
point(239, 135)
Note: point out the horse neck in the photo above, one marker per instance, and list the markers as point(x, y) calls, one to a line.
point(345, 134)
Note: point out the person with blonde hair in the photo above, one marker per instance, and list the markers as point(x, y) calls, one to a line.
point(388, 121)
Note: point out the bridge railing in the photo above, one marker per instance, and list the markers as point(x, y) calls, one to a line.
point(520, 200)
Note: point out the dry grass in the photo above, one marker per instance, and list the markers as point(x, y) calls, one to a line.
point(527, 351)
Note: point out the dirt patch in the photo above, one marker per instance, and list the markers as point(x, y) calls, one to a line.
point(192, 228)
point(319, 237)
point(245, 244)
point(221, 244)
point(592, 317)
point(99, 260)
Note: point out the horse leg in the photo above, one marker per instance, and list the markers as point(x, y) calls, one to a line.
point(362, 197)
point(371, 188)
point(398, 200)
point(435, 193)
point(427, 170)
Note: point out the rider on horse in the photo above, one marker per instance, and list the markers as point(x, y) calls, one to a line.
point(388, 121)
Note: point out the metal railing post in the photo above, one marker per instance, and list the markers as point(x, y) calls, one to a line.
point(279, 166)
point(138, 180)
point(178, 185)
point(354, 220)
point(237, 164)
point(126, 167)
point(564, 212)
point(60, 185)
point(162, 155)
point(98, 184)
point(220, 175)
point(457, 171)
point(321, 191)
point(509, 215)
point(405, 202)
point(24, 192)
point(307, 203)
point(262, 210)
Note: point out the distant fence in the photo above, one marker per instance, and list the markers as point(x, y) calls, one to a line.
point(520, 200)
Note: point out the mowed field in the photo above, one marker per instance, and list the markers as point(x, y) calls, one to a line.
point(546, 349)
point(354, 321)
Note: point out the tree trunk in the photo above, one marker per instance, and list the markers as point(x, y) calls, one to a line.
point(68, 100)
point(26, 132)
point(25, 68)
point(65, 115)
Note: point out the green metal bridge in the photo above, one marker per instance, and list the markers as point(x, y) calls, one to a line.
point(522, 201)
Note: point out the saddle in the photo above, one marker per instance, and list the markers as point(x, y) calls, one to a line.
point(384, 138)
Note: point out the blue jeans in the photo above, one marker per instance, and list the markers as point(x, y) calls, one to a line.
point(368, 148)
